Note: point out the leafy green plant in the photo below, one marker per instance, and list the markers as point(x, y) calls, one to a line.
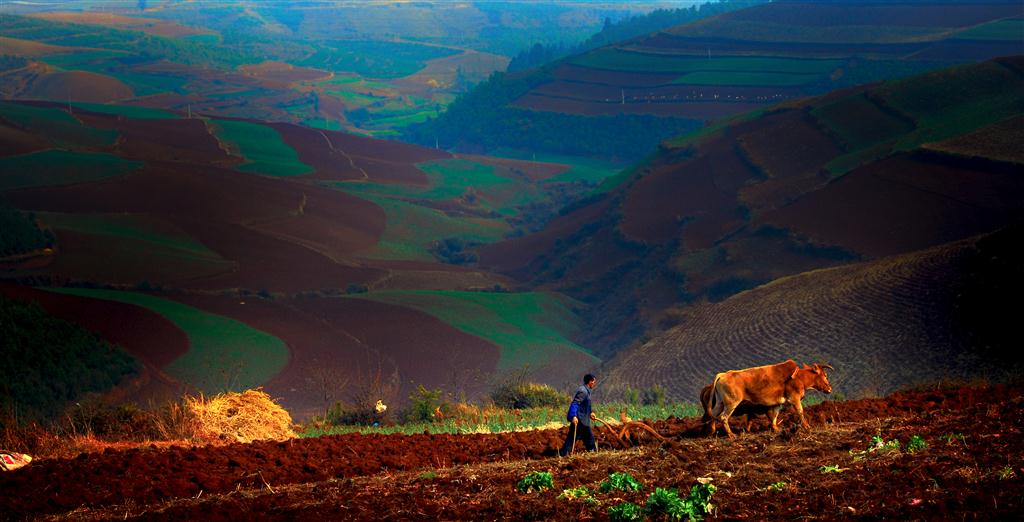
point(832, 468)
point(581, 493)
point(427, 475)
point(620, 482)
point(625, 512)
point(668, 503)
point(776, 486)
point(916, 443)
point(536, 481)
point(878, 444)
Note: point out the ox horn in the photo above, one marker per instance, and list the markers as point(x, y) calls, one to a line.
point(826, 366)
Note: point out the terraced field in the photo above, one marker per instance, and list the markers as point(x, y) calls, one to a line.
point(262, 147)
point(903, 314)
point(761, 55)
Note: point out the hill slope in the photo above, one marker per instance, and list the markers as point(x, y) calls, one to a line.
point(886, 324)
point(724, 65)
point(854, 175)
point(248, 234)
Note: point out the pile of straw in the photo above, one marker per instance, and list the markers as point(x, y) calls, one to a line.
point(240, 417)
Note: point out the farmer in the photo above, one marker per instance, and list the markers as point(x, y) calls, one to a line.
point(581, 415)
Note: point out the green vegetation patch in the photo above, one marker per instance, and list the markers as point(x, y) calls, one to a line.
point(263, 148)
point(1012, 30)
point(374, 59)
point(52, 361)
point(56, 125)
point(128, 111)
point(224, 354)
point(530, 328)
point(61, 167)
point(411, 229)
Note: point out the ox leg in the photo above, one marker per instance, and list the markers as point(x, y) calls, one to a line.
point(773, 414)
point(800, 410)
point(724, 417)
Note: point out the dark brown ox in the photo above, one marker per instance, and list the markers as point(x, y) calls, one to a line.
point(707, 400)
point(771, 386)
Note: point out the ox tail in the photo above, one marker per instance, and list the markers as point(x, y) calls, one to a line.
point(714, 393)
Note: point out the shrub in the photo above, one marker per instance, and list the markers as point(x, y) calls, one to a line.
point(423, 403)
point(654, 396)
point(625, 512)
point(620, 482)
point(536, 481)
point(526, 395)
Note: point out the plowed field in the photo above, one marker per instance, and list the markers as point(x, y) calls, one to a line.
point(971, 468)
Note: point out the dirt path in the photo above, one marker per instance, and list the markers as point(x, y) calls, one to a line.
point(351, 162)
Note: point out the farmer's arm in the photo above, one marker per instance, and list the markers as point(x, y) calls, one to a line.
point(577, 399)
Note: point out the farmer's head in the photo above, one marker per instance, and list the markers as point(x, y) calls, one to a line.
point(590, 380)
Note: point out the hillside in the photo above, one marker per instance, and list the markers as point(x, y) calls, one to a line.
point(854, 175)
point(938, 314)
point(307, 261)
point(725, 65)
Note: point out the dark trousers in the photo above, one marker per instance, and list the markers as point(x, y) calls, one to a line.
point(583, 433)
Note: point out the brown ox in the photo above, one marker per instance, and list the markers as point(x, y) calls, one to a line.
point(770, 386)
point(707, 400)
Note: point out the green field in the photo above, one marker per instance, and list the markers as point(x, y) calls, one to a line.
point(1012, 30)
point(374, 59)
point(56, 125)
point(530, 328)
point(223, 353)
point(263, 148)
point(61, 167)
point(588, 170)
point(128, 111)
point(412, 225)
point(412, 228)
point(620, 60)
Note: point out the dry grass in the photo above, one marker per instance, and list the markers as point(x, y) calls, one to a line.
point(240, 417)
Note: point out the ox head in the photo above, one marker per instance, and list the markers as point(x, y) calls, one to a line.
point(820, 380)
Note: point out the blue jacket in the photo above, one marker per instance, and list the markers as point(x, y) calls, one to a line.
point(580, 406)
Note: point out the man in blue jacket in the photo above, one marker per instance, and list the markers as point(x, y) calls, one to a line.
point(580, 415)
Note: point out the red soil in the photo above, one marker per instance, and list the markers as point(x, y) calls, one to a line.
point(178, 140)
point(341, 156)
point(514, 256)
point(153, 26)
point(80, 86)
point(932, 203)
point(15, 141)
point(689, 195)
point(383, 476)
point(285, 236)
